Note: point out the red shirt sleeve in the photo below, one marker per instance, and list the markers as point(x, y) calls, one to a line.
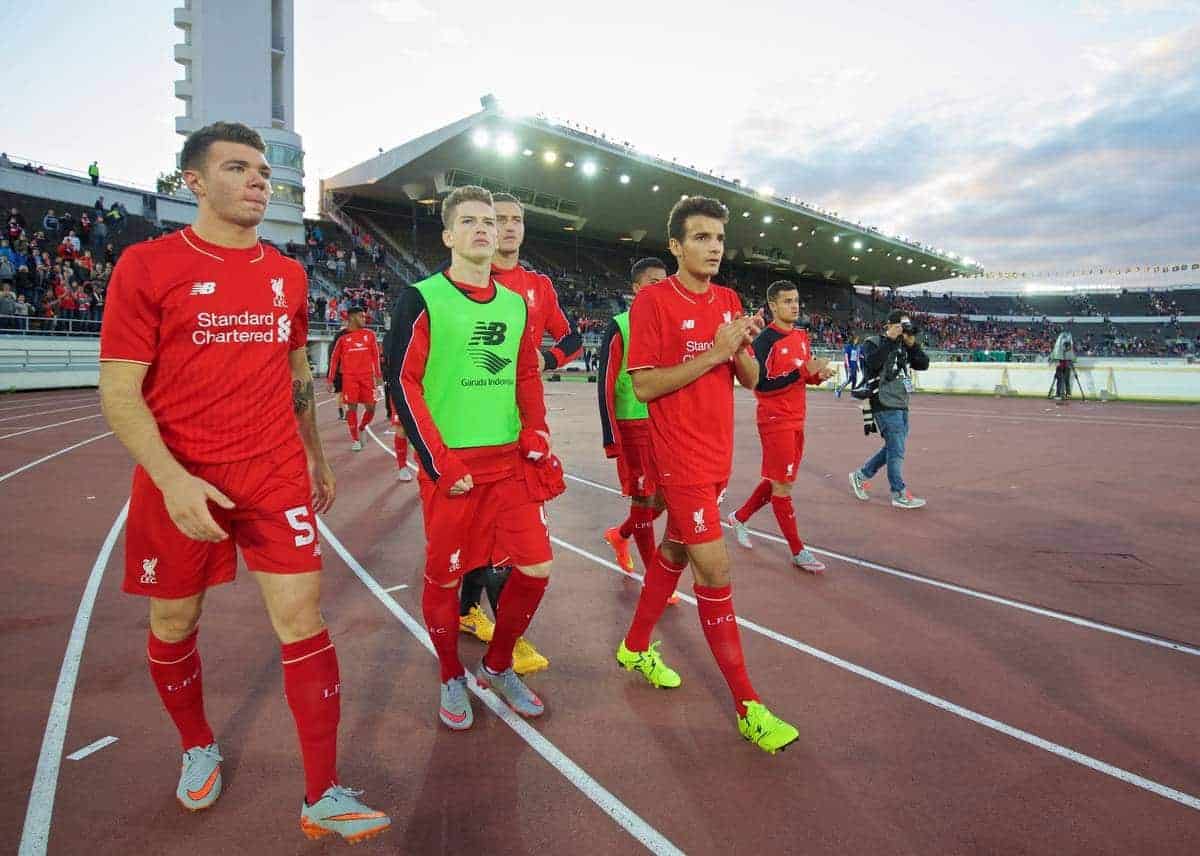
point(531, 398)
point(299, 336)
point(132, 314)
point(567, 342)
point(645, 333)
point(375, 361)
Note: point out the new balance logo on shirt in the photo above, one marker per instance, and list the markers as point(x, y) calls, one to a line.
point(204, 287)
point(688, 324)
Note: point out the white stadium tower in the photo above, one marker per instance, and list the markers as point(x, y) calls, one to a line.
point(238, 63)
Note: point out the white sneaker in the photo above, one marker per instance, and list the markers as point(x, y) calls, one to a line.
point(404, 474)
point(907, 500)
point(356, 446)
point(200, 778)
point(740, 531)
point(806, 560)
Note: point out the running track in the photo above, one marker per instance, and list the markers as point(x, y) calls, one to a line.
point(1019, 671)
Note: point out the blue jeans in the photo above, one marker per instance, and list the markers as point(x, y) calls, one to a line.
point(893, 427)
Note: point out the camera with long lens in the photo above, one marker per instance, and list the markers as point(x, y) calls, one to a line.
point(909, 327)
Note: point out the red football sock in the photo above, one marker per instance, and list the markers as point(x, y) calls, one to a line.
point(721, 631)
point(367, 415)
point(522, 594)
point(786, 515)
point(760, 497)
point(352, 423)
point(175, 670)
point(625, 530)
point(401, 443)
point(643, 533)
point(661, 579)
point(314, 693)
point(440, 608)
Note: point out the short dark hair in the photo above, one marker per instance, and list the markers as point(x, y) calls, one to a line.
point(643, 265)
point(694, 206)
point(466, 193)
point(508, 197)
point(196, 147)
point(780, 285)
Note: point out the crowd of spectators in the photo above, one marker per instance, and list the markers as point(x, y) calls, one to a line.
point(54, 272)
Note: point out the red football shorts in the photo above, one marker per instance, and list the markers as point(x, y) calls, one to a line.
point(635, 470)
point(358, 389)
point(781, 454)
point(272, 522)
point(693, 515)
point(496, 523)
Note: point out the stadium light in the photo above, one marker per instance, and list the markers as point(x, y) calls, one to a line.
point(569, 164)
point(870, 249)
point(480, 138)
point(858, 245)
point(528, 153)
point(799, 243)
point(589, 168)
point(768, 219)
point(506, 144)
point(745, 213)
point(624, 179)
point(767, 191)
point(683, 196)
point(910, 261)
point(654, 189)
point(795, 228)
point(837, 239)
point(762, 234)
point(549, 156)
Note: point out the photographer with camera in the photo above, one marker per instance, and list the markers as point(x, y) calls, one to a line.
point(888, 361)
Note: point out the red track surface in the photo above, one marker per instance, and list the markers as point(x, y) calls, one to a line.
point(1085, 510)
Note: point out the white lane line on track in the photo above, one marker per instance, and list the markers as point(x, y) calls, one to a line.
point(1099, 766)
point(957, 589)
point(648, 836)
point(31, 404)
point(44, 427)
point(62, 451)
point(47, 412)
point(400, 587)
point(91, 748)
point(36, 832)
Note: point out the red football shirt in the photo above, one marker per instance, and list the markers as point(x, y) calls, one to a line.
point(781, 391)
point(215, 325)
point(691, 429)
point(356, 353)
point(545, 315)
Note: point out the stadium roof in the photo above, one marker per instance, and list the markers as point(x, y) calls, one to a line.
point(578, 182)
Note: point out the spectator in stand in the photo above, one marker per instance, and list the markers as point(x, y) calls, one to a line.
point(66, 248)
point(94, 173)
point(320, 304)
point(110, 254)
point(50, 223)
point(21, 310)
point(353, 261)
point(66, 221)
point(99, 235)
point(5, 163)
point(98, 207)
point(23, 282)
point(8, 306)
point(15, 214)
point(85, 228)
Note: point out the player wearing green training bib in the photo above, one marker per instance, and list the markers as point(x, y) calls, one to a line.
point(468, 392)
point(626, 433)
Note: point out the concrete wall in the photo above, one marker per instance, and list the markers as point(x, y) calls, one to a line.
point(48, 362)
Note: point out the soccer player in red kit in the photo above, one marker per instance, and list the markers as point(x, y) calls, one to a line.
point(625, 431)
point(356, 357)
point(545, 317)
point(469, 394)
point(688, 340)
point(786, 365)
point(204, 378)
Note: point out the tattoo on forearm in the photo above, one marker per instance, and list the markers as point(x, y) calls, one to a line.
point(302, 396)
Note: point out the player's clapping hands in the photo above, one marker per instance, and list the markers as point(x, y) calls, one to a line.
point(733, 336)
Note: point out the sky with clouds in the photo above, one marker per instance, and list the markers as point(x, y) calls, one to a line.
point(1032, 136)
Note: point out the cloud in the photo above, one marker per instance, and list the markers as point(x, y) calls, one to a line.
point(400, 11)
point(1108, 173)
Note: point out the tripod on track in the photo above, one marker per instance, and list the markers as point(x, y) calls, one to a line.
point(1060, 386)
